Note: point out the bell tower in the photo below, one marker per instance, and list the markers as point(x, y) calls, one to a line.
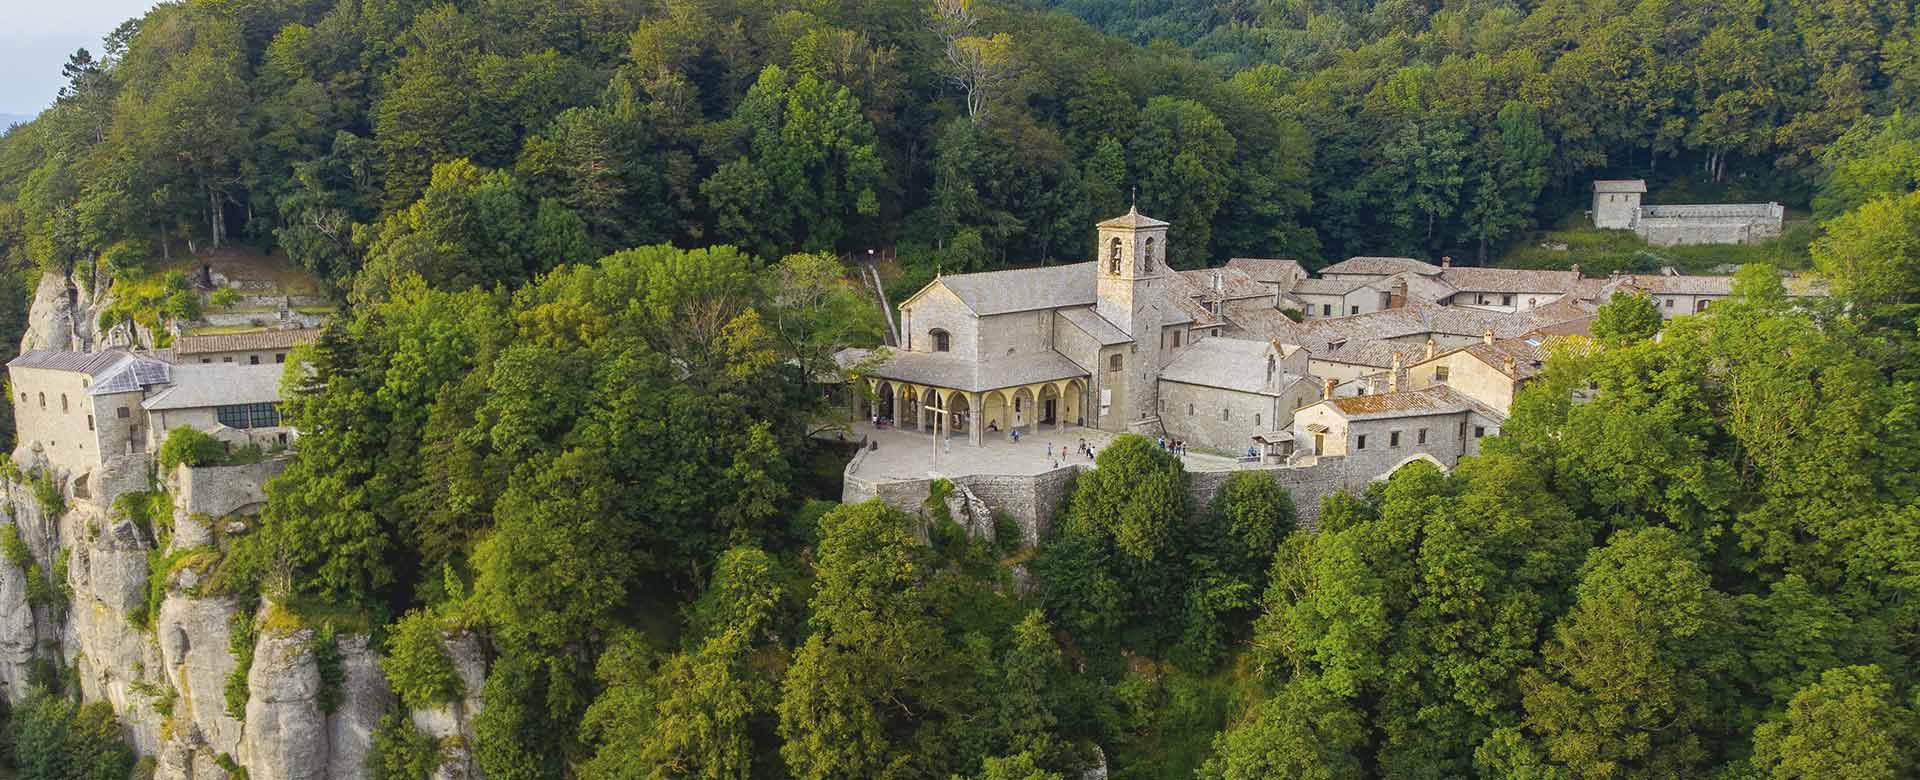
point(1130, 292)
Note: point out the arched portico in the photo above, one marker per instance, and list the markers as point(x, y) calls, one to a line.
point(996, 412)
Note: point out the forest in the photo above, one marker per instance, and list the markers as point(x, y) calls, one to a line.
point(591, 259)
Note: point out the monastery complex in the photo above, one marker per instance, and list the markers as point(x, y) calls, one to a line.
point(1329, 380)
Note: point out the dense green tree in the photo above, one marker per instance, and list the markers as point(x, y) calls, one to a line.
point(1626, 319)
point(1848, 725)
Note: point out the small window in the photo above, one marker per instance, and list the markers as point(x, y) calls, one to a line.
point(1353, 310)
point(1224, 414)
point(63, 403)
point(123, 412)
point(1270, 367)
point(1479, 431)
point(43, 400)
point(942, 341)
point(1393, 439)
point(253, 360)
point(227, 359)
point(1701, 306)
point(280, 357)
point(1256, 419)
point(1439, 373)
point(89, 422)
point(1113, 362)
point(1360, 443)
point(1176, 339)
point(1189, 410)
point(1669, 303)
point(1506, 300)
point(1113, 257)
point(1326, 310)
point(206, 360)
point(1420, 436)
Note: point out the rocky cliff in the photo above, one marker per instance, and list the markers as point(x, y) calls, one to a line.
point(115, 601)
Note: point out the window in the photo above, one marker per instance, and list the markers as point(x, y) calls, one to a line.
point(1361, 442)
point(227, 359)
point(1479, 431)
point(1669, 303)
point(248, 415)
point(279, 357)
point(1113, 362)
point(1113, 257)
point(1393, 439)
point(1224, 414)
point(1420, 436)
point(941, 340)
point(123, 412)
point(89, 422)
point(1256, 419)
point(1326, 310)
point(63, 403)
point(1439, 373)
point(43, 400)
point(253, 360)
point(1176, 339)
point(1701, 306)
point(1506, 300)
point(1353, 310)
point(1149, 254)
point(1189, 410)
point(206, 360)
point(1270, 365)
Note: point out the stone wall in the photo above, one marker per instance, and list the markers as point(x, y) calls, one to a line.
point(216, 491)
point(1728, 223)
point(1193, 413)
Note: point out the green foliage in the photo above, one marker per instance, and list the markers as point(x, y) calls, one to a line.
point(328, 663)
point(225, 298)
point(242, 633)
point(416, 661)
point(47, 493)
point(56, 738)
point(13, 548)
point(1626, 319)
point(188, 446)
point(401, 751)
point(1847, 726)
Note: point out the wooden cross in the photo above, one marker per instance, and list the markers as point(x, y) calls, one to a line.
point(941, 415)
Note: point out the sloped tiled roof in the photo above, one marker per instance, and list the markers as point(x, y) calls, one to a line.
point(1234, 284)
point(1316, 286)
point(1380, 266)
point(132, 375)
point(1662, 284)
point(1510, 280)
point(1095, 326)
point(89, 363)
point(240, 342)
point(1227, 363)
point(1619, 185)
point(1133, 219)
point(1269, 271)
point(1023, 289)
point(199, 385)
point(1376, 354)
point(940, 369)
point(1424, 287)
point(1427, 401)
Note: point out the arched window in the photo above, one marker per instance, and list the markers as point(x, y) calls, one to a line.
point(1113, 257)
point(43, 400)
point(1149, 254)
point(63, 403)
point(941, 341)
point(1270, 366)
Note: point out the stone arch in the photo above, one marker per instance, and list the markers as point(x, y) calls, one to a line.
point(1388, 474)
point(996, 411)
point(960, 416)
point(1048, 405)
point(1073, 395)
point(1021, 407)
point(883, 398)
point(1113, 256)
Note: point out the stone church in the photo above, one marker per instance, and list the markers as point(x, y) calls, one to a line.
point(1079, 344)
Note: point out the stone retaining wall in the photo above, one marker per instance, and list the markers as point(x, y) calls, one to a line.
point(1032, 500)
point(217, 491)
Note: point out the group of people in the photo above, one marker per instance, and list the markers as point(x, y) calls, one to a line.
point(1175, 446)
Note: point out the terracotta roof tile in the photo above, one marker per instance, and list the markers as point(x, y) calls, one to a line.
point(240, 342)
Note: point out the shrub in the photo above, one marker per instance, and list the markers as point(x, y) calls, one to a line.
point(241, 633)
point(14, 548)
point(326, 660)
point(401, 751)
point(225, 297)
point(417, 664)
point(190, 447)
point(46, 491)
point(54, 737)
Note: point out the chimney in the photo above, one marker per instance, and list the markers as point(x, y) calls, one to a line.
point(1446, 261)
point(1393, 375)
point(1431, 347)
point(1487, 336)
point(1508, 367)
point(1326, 387)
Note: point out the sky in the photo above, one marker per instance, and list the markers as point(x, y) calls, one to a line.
point(38, 35)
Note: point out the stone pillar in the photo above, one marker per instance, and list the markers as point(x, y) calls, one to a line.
point(976, 417)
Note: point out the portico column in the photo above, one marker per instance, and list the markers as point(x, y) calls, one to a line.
point(973, 417)
point(1039, 403)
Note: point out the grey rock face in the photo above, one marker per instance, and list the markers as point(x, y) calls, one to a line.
point(286, 736)
point(193, 649)
point(364, 698)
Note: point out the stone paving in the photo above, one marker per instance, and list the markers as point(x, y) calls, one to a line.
point(909, 454)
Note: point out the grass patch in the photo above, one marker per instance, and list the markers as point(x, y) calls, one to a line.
point(1601, 252)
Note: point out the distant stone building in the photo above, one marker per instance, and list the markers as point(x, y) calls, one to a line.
point(1217, 392)
point(1377, 434)
point(253, 348)
point(1616, 206)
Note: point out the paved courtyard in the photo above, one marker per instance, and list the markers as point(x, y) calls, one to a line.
point(909, 454)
